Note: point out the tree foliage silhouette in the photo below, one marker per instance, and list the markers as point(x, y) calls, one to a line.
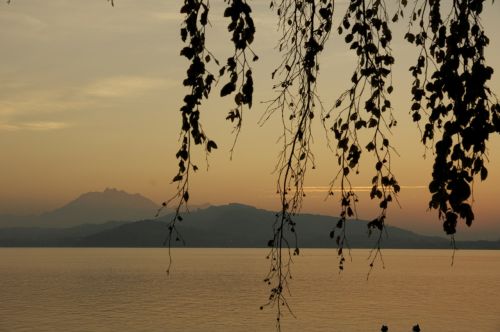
point(451, 104)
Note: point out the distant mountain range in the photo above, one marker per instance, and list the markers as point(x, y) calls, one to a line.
point(233, 225)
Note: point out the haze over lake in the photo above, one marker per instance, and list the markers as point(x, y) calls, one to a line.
point(97, 289)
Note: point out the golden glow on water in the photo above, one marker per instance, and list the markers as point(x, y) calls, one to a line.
point(221, 290)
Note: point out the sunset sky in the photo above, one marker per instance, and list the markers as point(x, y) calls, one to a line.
point(90, 98)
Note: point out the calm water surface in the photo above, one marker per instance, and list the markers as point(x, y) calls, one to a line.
point(222, 290)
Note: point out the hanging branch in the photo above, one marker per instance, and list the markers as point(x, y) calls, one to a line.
point(366, 29)
point(305, 27)
point(450, 90)
point(238, 65)
point(199, 80)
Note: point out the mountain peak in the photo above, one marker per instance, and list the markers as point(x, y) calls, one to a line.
point(101, 206)
point(113, 191)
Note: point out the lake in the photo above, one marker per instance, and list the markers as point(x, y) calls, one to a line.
point(94, 289)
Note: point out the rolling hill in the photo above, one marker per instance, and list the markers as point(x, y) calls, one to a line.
point(232, 225)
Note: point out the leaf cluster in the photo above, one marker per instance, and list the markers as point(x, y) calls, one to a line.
point(450, 89)
point(365, 107)
point(238, 68)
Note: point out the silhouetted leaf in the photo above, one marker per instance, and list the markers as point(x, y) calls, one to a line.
point(227, 89)
point(188, 52)
point(484, 173)
point(410, 37)
point(211, 145)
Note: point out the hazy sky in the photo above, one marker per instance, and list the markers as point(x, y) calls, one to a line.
point(90, 95)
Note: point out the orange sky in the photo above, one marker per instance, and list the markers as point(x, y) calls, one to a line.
point(90, 97)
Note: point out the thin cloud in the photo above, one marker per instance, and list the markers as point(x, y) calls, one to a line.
point(8, 127)
point(168, 16)
point(34, 126)
point(32, 100)
point(26, 100)
point(122, 86)
point(46, 125)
